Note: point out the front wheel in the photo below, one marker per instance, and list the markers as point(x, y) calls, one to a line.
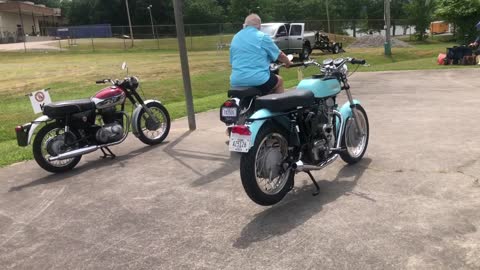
point(50, 142)
point(355, 143)
point(263, 171)
point(153, 131)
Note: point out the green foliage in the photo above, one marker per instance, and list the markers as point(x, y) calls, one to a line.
point(420, 14)
point(203, 11)
point(464, 14)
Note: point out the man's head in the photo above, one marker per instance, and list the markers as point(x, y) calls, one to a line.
point(253, 20)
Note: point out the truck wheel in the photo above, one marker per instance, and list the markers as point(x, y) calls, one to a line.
point(336, 49)
point(306, 51)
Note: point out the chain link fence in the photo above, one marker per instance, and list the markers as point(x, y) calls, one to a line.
point(199, 37)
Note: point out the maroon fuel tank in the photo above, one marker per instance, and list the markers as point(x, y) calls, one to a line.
point(109, 97)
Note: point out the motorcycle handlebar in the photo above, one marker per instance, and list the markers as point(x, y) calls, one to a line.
point(101, 81)
point(300, 64)
point(358, 61)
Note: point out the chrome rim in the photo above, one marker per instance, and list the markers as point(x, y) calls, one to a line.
point(148, 126)
point(271, 177)
point(52, 135)
point(354, 140)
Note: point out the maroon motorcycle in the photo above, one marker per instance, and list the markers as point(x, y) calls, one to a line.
point(77, 127)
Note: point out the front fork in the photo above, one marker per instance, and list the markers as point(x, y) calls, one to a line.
point(355, 116)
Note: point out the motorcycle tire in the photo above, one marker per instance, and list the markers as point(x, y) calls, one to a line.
point(40, 158)
point(143, 115)
point(248, 171)
point(347, 155)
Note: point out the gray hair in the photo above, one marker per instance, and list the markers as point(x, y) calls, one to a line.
point(253, 20)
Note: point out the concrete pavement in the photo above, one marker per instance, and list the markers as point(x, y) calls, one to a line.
point(412, 203)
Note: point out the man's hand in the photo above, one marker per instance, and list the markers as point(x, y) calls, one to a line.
point(284, 59)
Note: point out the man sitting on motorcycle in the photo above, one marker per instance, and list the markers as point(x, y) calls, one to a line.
point(251, 52)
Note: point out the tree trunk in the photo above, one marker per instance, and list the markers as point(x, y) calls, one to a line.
point(394, 28)
point(354, 28)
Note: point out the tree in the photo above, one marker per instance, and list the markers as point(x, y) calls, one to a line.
point(420, 14)
point(464, 14)
point(203, 11)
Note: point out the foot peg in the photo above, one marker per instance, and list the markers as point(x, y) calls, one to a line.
point(109, 154)
point(317, 188)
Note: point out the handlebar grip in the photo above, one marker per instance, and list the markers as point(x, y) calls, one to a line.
point(300, 64)
point(358, 61)
point(100, 81)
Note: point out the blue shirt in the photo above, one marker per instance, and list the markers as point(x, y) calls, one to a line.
point(251, 52)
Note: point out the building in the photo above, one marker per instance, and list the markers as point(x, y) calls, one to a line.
point(24, 21)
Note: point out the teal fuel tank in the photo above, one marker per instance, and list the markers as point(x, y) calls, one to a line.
point(321, 88)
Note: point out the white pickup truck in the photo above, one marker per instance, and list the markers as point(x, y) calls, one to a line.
point(292, 38)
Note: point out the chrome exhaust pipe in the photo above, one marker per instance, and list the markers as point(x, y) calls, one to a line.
point(300, 167)
point(74, 153)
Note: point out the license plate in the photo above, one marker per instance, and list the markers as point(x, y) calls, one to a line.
point(229, 112)
point(239, 143)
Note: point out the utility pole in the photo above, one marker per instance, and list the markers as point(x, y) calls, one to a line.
point(151, 20)
point(129, 21)
point(328, 16)
point(177, 7)
point(388, 42)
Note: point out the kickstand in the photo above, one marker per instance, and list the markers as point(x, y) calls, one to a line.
point(317, 188)
point(110, 154)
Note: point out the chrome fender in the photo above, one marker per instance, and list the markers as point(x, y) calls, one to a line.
point(346, 113)
point(35, 124)
point(136, 114)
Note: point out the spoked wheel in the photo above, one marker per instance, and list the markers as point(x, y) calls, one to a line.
point(353, 140)
point(265, 176)
point(50, 142)
point(153, 131)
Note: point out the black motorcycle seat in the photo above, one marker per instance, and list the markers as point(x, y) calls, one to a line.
point(285, 102)
point(242, 92)
point(62, 108)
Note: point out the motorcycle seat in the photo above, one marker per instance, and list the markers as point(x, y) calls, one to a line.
point(286, 101)
point(62, 108)
point(242, 92)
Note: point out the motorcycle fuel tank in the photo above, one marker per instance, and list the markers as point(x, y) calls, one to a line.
point(109, 97)
point(321, 88)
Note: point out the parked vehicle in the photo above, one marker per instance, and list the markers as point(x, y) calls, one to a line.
point(323, 43)
point(292, 38)
point(300, 131)
point(77, 127)
point(239, 105)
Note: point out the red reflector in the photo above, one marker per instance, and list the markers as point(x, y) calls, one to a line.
point(241, 130)
point(228, 103)
point(18, 128)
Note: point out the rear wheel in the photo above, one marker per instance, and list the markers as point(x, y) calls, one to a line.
point(50, 142)
point(264, 176)
point(306, 51)
point(353, 141)
point(153, 131)
point(336, 49)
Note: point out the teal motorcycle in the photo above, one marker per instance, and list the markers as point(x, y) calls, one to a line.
point(300, 131)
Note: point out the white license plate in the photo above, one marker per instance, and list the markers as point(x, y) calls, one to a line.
point(229, 112)
point(239, 143)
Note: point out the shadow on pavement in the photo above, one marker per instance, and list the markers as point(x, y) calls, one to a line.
point(300, 206)
point(229, 164)
point(89, 165)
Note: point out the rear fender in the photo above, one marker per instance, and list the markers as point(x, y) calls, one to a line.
point(346, 113)
point(35, 124)
point(263, 116)
point(136, 114)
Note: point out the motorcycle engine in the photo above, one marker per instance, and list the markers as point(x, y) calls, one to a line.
point(323, 131)
point(109, 133)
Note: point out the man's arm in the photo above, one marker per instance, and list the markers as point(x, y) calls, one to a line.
point(284, 59)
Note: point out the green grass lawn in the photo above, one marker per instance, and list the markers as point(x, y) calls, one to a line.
point(71, 75)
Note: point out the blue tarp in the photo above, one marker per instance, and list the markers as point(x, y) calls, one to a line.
point(84, 31)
